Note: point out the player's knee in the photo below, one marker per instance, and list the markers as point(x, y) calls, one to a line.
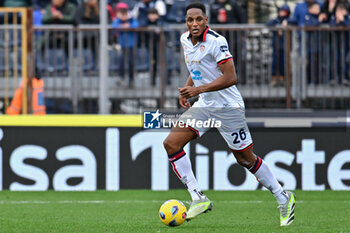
point(245, 160)
point(166, 144)
point(170, 146)
point(244, 163)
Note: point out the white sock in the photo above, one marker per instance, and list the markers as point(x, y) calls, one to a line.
point(182, 167)
point(268, 180)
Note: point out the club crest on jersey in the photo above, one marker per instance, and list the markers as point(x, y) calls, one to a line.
point(197, 75)
point(201, 48)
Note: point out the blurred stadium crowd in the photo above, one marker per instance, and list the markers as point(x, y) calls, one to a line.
point(134, 40)
point(172, 11)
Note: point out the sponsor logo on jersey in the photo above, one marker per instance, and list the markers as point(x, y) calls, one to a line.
point(191, 62)
point(223, 48)
point(197, 75)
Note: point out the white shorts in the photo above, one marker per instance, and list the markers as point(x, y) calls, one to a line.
point(230, 122)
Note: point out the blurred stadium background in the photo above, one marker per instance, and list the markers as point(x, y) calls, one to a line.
point(312, 75)
point(92, 136)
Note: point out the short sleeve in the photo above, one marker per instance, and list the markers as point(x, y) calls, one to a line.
point(183, 38)
point(220, 51)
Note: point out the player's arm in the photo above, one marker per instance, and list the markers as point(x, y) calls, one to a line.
point(189, 81)
point(183, 100)
point(228, 79)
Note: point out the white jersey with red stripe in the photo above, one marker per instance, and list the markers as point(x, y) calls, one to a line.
point(203, 61)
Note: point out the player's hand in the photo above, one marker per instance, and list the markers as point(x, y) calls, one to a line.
point(189, 91)
point(184, 102)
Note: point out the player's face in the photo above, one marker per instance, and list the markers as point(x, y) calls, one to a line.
point(196, 21)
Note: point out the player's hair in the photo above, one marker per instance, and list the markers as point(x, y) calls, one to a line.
point(197, 5)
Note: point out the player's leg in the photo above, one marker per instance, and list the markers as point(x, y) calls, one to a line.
point(261, 171)
point(179, 136)
point(180, 162)
point(259, 168)
point(174, 143)
point(235, 131)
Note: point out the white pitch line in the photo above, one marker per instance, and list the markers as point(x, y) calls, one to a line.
point(18, 202)
point(115, 201)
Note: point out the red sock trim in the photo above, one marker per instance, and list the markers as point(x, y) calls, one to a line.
point(175, 170)
point(177, 155)
point(256, 166)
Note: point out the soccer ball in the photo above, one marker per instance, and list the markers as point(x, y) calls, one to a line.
point(172, 213)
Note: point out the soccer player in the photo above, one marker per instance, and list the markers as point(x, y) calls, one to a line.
point(213, 78)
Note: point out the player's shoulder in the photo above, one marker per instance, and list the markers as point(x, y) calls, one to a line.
point(185, 35)
point(214, 37)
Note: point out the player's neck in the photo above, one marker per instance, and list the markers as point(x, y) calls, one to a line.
point(194, 40)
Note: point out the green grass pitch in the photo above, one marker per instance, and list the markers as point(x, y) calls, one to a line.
point(137, 211)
